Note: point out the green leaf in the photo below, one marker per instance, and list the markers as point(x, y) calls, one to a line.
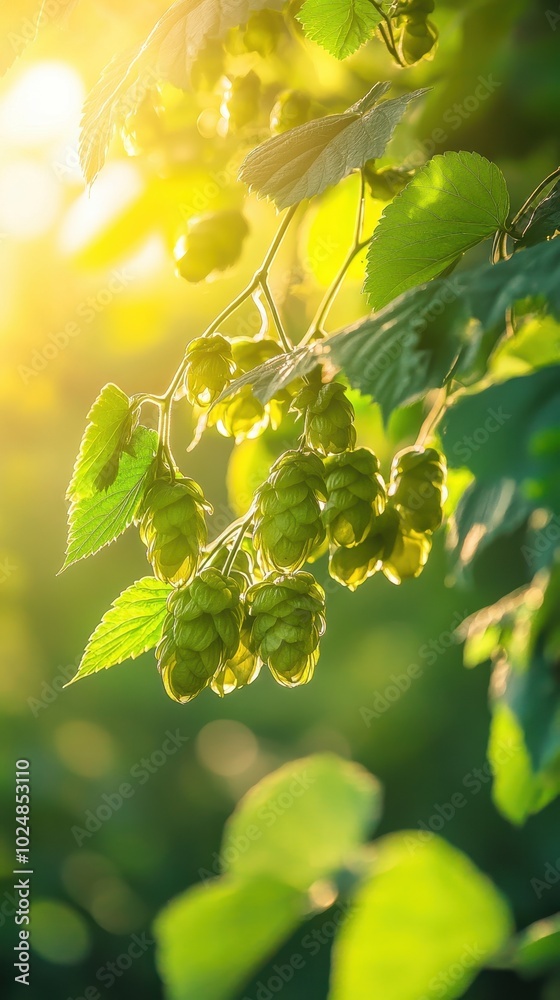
point(484, 513)
point(410, 346)
point(427, 920)
point(340, 26)
point(213, 938)
point(455, 201)
point(535, 950)
point(95, 521)
point(301, 823)
point(518, 791)
point(131, 626)
point(306, 160)
point(105, 436)
point(544, 223)
point(168, 53)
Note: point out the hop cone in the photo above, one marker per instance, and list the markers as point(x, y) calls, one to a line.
point(200, 633)
point(329, 416)
point(240, 670)
point(287, 615)
point(356, 496)
point(406, 550)
point(288, 524)
point(244, 416)
point(210, 368)
point(352, 566)
point(173, 528)
point(417, 487)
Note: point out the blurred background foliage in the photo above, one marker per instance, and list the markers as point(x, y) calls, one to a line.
point(88, 295)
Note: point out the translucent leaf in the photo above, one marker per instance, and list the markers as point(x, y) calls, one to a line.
point(306, 160)
point(340, 26)
point(301, 823)
point(131, 626)
point(518, 791)
point(96, 520)
point(426, 920)
point(212, 938)
point(105, 437)
point(167, 53)
point(453, 203)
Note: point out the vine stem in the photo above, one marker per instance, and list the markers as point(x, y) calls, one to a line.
point(358, 244)
point(237, 542)
point(499, 246)
point(388, 36)
point(259, 280)
point(438, 410)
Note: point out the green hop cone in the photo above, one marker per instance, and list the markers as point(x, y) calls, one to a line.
point(209, 369)
point(263, 32)
point(416, 39)
point(243, 415)
point(242, 100)
point(173, 528)
point(352, 566)
point(242, 568)
point(288, 525)
point(287, 614)
point(417, 487)
point(356, 496)
point(292, 108)
point(406, 551)
point(201, 632)
point(329, 415)
point(240, 670)
point(212, 242)
point(386, 182)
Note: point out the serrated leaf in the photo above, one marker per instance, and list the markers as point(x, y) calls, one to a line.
point(214, 937)
point(425, 919)
point(96, 520)
point(306, 160)
point(455, 201)
point(544, 223)
point(167, 53)
point(104, 437)
point(21, 22)
point(339, 26)
point(131, 626)
point(333, 806)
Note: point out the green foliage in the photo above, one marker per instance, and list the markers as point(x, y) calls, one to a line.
point(212, 938)
point(425, 901)
point(455, 201)
point(536, 949)
point(106, 436)
point(307, 160)
point(132, 625)
point(97, 519)
point(544, 223)
point(307, 819)
point(340, 26)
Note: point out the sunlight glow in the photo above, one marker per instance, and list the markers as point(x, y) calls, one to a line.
point(29, 199)
point(43, 105)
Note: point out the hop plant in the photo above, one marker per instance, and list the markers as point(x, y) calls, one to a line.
point(288, 525)
point(242, 100)
point(201, 632)
point(263, 31)
point(416, 35)
point(292, 108)
point(407, 550)
point(287, 614)
point(356, 496)
point(353, 566)
point(173, 528)
point(212, 242)
point(244, 416)
point(209, 369)
point(329, 415)
point(417, 487)
point(385, 182)
point(242, 669)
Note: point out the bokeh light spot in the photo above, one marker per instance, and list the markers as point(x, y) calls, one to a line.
point(59, 933)
point(84, 748)
point(226, 748)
